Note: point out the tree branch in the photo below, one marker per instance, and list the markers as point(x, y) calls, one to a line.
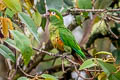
point(56, 55)
point(93, 10)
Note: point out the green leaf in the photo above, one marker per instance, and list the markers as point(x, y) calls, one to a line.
point(13, 5)
point(88, 64)
point(24, 44)
point(0, 13)
point(12, 43)
point(9, 12)
point(43, 23)
point(48, 77)
point(116, 54)
point(102, 4)
point(115, 76)
point(55, 4)
point(68, 3)
point(41, 6)
point(7, 53)
point(103, 52)
point(37, 18)
point(30, 24)
point(79, 19)
point(84, 4)
point(23, 78)
point(108, 68)
point(99, 27)
point(115, 30)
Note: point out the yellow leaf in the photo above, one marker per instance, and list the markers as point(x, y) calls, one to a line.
point(9, 24)
point(2, 5)
point(76, 3)
point(28, 10)
point(104, 52)
point(29, 3)
point(102, 76)
point(13, 5)
point(6, 26)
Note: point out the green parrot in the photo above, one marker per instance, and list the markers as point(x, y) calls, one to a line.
point(60, 36)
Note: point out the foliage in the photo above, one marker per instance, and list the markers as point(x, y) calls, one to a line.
point(7, 53)
point(25, 45)
point(22, 78)
point(30, 24)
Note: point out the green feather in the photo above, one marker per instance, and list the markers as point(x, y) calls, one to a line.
point(57, 13)
point(69, 40)
point(65, 34)
point(80, 52)
point(54, 20)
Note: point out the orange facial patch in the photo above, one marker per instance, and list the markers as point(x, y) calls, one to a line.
point(50, 14)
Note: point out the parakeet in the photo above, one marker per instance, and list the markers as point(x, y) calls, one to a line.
point(60, 36)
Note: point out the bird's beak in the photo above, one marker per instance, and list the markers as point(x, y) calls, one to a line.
point(47, 13)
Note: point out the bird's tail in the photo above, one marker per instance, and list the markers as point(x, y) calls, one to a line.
point(77, 58)
point(79, 52)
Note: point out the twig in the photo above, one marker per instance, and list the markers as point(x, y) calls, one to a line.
point(63, 65)
point(113, 18)
point(46, 29)
point(93, 10)
point(9, 64)
point(68, 59)
point(33, 65)
point(10, 69)
point(51, 54)
point(56, 55)
point(93, 4)
point(115, 36)
point(18, 60)
point(77, 71)
point(46, 5)
point(28, 75)
point(47, 23)
point(93, 70)
point(45, 60)
point(12, 73)
point(54, 69)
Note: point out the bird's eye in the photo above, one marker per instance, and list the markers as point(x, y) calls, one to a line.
point(53, 13)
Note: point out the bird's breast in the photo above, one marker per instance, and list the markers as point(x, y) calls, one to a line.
point(55, 37)
point(57, 42)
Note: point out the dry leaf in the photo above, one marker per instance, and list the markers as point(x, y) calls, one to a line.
point(6, 26)
point(2, 5)
point(10, 24)
point(29, 3)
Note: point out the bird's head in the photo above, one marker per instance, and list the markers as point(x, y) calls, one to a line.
point(54, 16)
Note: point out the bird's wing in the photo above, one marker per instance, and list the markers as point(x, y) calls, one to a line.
point(69, 40)
point(67, 37)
